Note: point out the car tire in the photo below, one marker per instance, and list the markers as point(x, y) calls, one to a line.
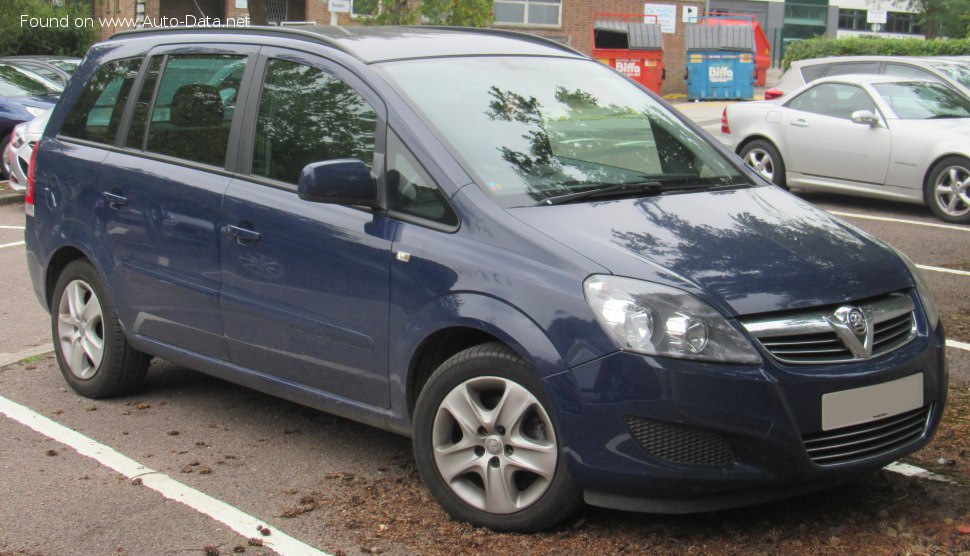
point(947, 189)
point(4, 165)
point(765, 159)
point(89, 343)
point(479, 409)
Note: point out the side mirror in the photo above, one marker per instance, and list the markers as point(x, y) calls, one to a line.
point(865, 117)
point(346, 181)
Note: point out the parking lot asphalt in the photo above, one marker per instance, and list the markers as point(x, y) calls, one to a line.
point(255, 461)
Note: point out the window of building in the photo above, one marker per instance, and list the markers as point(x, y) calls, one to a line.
point(97, 113)
point(540, 13)
point(901, 22)
point(852, 20)
point(307, 115)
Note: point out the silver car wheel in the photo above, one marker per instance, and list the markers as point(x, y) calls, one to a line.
point(80, 329)
point(494, 445)
point(760, 160)
point(952, 192)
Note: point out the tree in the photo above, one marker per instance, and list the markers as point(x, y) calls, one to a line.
point(940, 18)
point(48, 35)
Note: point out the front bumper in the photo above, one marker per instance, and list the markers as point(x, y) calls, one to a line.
point(758, 414)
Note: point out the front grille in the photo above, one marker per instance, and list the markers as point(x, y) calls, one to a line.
point(680, 443)
point(868, 439)
point(807, 338)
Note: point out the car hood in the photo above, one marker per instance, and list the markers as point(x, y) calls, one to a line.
point(749, 251)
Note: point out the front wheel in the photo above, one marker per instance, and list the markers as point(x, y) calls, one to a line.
point(5, 156)
point(948, 189)
point(765, 159)
point(486, 445)
point(91, 348)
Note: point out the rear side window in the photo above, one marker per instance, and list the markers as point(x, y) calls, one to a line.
point(193, 108)
point(307, 115)
point(811, 73)
point(97, 112)
point(853, 67)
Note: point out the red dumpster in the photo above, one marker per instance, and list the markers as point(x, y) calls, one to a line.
point(762, 52)
point(631, 43)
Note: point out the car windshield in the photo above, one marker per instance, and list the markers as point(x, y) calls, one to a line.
point(16, 82)
point(957, 72)
point(530, 130)
point(923, 100)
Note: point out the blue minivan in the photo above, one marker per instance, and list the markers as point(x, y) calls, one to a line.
point(559, 288)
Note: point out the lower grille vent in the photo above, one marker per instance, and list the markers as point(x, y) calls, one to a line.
point(680, 443)
point(866, 440)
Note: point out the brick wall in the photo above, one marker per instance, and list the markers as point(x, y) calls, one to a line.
point(178, 9)
point(577, 29)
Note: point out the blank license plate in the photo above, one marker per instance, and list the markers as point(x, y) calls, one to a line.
point(871, 403)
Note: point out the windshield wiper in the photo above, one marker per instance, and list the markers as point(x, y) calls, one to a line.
point(620, 189)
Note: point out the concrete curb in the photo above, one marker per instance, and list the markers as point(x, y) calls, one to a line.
point(11, 198)
point(7, 359)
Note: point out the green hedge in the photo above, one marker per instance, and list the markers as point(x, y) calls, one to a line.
point(64, 41)
point(871, 46)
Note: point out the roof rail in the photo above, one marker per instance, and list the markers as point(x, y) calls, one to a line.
point(505, 33)
point(279, 31)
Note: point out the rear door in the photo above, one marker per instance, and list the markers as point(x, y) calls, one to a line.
point(162, 193)
point(305, 285)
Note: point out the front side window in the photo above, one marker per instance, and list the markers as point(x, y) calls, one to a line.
point(97, 112)
point(193, 108)
point(923, 101)
point(833, 99)
point(531, 129)
point(544, 13)
point(308, 115)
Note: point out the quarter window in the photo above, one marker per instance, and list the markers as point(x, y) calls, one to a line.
point(410, 190)
point(307, 115)
point(193, 107)
point(97, 112)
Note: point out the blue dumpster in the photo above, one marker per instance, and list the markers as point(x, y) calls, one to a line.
point(720, 60)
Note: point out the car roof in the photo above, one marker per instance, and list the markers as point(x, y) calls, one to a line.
point(916, 60)
point(372, 44)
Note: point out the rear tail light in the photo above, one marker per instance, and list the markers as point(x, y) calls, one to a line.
point(32, 171)
point(725, 128)
point(772, 94)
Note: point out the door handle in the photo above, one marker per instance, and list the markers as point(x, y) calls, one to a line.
point(799, 123)
point(243, 236)
point(115, 200)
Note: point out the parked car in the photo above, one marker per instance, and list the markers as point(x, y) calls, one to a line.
point(23, 95)
point(868, 135)
point(16, 157)
point(484, 240)
point(53, 68)
point(951, 71)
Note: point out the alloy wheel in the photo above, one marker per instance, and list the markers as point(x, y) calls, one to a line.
point(760, 160)
point(951, 191)
point(80, 329)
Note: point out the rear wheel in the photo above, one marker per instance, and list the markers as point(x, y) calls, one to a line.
point(91, 348)
point(486, 445)
point(948, 189)
point(765, 159)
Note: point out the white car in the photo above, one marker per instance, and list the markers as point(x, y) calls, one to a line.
point(868, 135)
point(16, 157)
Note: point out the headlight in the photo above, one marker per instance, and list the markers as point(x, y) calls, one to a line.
point(929, 306)
point(34, 111)
point(648, 318)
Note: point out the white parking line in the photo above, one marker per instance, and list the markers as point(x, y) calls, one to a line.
point(12, 228)
point(958, 345)
point(901, 221)
point(942, 269)
point(14, 244)
point(235, 519)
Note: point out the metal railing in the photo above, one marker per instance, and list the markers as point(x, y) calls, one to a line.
point(806, 14)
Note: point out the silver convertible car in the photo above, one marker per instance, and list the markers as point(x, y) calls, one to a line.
point(870, 135)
